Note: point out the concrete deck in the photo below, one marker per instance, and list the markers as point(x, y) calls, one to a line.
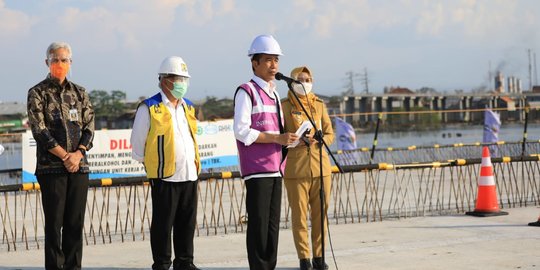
point(443, 242)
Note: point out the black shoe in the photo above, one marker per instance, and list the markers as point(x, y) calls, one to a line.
point(305, 264)
point(186, 266)
point(537, 223)
point(317, 264)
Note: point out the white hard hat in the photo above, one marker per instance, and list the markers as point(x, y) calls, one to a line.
point(264, 44)
point(174, 65)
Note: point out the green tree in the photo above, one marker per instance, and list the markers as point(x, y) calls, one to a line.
point(214, 108)
point(334, 101)
point(427, 90)
point(118, 102)
point(107, 107)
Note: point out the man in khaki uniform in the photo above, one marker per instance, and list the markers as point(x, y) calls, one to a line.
point(302, 172)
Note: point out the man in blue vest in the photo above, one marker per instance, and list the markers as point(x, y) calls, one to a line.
point(163, 138)
point(258, 128)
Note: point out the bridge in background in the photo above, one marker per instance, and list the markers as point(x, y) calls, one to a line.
point(361, 110)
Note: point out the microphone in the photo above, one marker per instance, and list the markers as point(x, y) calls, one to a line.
point(304, 138)
point(289, 80)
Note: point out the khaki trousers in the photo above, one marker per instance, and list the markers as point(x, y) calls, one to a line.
point(304, 199)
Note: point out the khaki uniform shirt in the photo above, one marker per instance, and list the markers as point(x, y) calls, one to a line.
point(301, 162)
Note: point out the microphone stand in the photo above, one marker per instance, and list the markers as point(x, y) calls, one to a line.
point(319, 137)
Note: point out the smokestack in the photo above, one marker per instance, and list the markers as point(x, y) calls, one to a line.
point(499, 82)
point(510, 84)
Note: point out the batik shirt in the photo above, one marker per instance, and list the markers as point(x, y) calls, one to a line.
point(59, 115)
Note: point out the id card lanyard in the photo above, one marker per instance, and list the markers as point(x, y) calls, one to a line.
point(73, 113)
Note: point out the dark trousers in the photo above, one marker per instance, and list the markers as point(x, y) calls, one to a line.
point(263, 203)
point(174, 205)
point(64, 203)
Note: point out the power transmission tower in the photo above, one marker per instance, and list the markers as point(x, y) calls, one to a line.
point(365, 80)
point(349, 85)
point(530, 71)
point(535, 71)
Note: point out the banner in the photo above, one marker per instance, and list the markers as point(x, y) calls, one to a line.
point(492, 125)
point(110, 156)
point(346, 138)
point(217, 144)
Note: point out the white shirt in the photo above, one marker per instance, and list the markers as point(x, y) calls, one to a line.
point(242, 118)
point(184, 147)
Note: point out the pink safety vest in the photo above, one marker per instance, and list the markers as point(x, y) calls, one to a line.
point(261, 157)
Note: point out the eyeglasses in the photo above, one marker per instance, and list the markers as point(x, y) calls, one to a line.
point(57, 60)
point(177, 79)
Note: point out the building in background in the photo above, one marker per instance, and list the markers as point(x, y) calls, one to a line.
point(13, 117)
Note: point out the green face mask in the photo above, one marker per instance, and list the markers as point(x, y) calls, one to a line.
point(179, 89)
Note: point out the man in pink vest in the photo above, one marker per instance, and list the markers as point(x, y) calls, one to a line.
point(258, 128)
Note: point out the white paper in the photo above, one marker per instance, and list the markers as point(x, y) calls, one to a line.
point(305, 126)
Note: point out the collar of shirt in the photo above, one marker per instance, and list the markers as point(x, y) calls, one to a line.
point(55, 81)
point(167, 101)
point(268, 87)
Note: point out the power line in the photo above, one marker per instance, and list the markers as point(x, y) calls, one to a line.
point(530, 71)
point(349, 85)
point(366, 81)
point(535, 71)
point(351, 77)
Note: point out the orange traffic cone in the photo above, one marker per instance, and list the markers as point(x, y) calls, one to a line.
point(486, 200)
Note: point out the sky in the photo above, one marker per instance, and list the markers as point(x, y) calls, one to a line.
point(119, 44)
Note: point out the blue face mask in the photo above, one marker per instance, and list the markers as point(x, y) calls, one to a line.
point(179, 89)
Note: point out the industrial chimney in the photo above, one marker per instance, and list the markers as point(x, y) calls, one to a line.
point(499, 82)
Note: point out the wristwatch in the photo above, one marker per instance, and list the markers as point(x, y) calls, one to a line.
point(83, 151)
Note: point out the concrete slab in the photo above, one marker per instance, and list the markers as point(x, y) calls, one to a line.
point(442, 242)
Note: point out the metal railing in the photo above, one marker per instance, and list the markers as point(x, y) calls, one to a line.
point(119, 209)
point(441, 152)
